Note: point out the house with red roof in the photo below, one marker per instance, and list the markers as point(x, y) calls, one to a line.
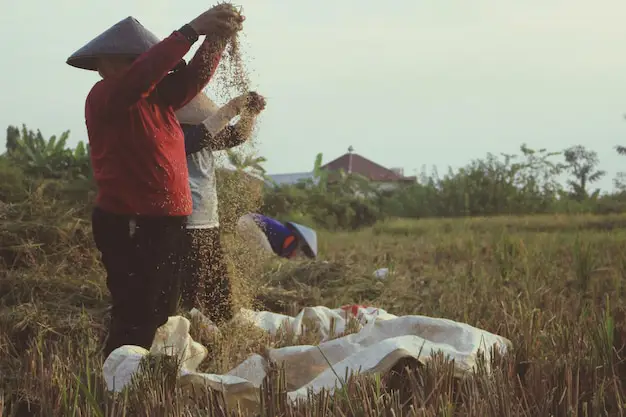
point(352, 163)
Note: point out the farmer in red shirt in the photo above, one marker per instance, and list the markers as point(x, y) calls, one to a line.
point(138, 157)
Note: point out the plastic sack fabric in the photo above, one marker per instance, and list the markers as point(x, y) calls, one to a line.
point(252, 234)
point(382, 341)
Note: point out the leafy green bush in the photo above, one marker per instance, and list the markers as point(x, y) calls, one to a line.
point(50, 158)
point(331, 206)
point(13, 182)
point(527, 183)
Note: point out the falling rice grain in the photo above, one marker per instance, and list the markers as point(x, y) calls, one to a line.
point(231, 77)
point(239, 195)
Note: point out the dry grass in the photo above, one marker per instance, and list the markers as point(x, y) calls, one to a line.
point(553, 286)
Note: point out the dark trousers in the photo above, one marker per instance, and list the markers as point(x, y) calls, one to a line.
point(141, 256)
point(204, 275)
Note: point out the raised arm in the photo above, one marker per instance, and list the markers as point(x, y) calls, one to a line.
point(182, 86)
point(148, 70)
point(234, 135)
point(249, 106)
point(152, 67)
point(215, 132)
point(197, 137)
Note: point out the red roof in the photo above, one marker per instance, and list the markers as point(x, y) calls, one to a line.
point(353, 163)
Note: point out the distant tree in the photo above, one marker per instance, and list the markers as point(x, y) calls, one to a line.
point(619, 182)
point(247, 163)
point(538, 170)
point(47, 158)
point(620, 179)
point(13, 136)
point(582, 164)
point(81, 162)
point(320, 175)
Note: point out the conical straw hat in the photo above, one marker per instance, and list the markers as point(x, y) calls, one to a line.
point(197, 110)
point(308, 236)
point(126, 38)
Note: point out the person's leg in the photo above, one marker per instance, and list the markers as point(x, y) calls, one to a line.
point(214, 293)
point(159, 241)
point(189, 276)
point(112, 237)
point(179, 292)
point(141, 260)
point(170, 295)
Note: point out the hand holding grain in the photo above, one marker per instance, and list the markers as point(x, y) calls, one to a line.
point(221, 21)
point(255, 103)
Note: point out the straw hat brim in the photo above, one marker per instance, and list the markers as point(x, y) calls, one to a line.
point(200, 108)
point(91, 62)
point(127, 38)
point(308, 237)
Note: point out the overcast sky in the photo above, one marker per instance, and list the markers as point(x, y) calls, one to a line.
point(406, 83)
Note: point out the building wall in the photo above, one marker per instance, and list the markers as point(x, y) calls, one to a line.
point(293, 178)
point(386, 186)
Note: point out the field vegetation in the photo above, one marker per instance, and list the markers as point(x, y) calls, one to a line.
point(500, 245)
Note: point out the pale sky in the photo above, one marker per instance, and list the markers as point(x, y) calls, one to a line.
point(406, 83)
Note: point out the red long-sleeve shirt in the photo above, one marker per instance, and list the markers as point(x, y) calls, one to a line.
point(136, 143)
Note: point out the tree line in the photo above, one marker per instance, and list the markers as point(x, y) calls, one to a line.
point(504, 184)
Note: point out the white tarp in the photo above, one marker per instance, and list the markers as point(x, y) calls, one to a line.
point(382, 341)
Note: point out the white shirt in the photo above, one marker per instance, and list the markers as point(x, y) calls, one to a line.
point(201, 166)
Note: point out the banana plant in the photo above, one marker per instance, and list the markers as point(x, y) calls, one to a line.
point(81, 161)
point(620, 179)
point(319, 174)
point(248, 163)
point(47, 158)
